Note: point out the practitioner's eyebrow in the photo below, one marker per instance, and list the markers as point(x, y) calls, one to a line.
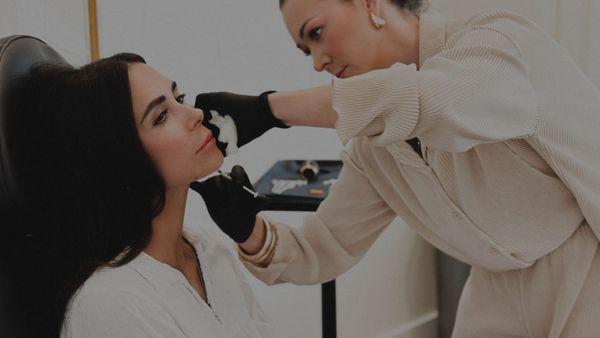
point(301, 32)
point(157, 101)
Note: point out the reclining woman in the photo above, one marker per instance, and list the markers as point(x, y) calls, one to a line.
point(112, 148)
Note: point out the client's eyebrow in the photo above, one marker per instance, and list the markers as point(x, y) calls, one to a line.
point(157, 101)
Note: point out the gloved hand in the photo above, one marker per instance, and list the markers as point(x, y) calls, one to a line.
point(232, 207)
point(252, 116)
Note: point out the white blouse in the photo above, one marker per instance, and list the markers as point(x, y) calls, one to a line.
point(148, 298)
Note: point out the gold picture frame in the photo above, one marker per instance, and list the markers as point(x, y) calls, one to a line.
point(93, 28)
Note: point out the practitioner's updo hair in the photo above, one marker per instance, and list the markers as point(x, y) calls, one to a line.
point(415, 6)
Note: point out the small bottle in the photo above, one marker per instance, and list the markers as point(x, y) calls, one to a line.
point(309, 170)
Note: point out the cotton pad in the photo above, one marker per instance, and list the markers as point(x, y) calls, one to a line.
point(228, 131)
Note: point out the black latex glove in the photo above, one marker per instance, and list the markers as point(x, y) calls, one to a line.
point(232, 207)
point(252, 114)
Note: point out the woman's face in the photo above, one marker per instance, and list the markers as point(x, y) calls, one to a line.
point(343, 41)
point(171, 132)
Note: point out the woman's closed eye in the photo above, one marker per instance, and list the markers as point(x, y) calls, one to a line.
point(161, 117)
point(315, 33)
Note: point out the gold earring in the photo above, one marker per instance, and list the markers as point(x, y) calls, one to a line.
point(378, 22)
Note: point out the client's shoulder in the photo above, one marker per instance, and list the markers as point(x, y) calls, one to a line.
point(118, 281)
point(117, 302)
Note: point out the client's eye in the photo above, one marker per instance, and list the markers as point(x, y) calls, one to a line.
point(161, 117)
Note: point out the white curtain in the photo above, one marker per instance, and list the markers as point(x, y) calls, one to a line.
point(575, 24)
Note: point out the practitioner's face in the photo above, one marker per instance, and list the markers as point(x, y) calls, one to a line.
point(337, 34)
point(171, 132)
point(341, 38)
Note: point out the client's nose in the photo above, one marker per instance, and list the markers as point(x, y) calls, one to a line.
point(196, 116)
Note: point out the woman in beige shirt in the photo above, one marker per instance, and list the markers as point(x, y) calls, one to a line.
point(508, 180)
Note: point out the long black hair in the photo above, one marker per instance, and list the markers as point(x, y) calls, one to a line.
point(87, 189)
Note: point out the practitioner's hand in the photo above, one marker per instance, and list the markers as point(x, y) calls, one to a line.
point(252, 117)
point(231, 206)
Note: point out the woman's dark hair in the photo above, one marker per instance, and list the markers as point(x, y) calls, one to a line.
point(415, 6)
point(88, 190)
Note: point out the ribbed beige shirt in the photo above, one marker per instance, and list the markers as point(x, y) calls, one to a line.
point(509, 183)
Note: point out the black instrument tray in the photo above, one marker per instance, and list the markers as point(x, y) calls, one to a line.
point(298, 198)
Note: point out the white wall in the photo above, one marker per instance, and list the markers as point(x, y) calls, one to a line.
point(60, 23)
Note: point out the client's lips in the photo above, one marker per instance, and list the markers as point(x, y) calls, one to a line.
point(341, 72)
point(207, 140)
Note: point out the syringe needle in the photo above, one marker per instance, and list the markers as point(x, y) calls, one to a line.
point(253, 193)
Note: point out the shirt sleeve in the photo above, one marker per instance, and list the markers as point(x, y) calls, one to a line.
point(333, 239)
point(475, 91)
point(118, 314)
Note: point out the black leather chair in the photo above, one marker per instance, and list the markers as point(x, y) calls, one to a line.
point(18, 53)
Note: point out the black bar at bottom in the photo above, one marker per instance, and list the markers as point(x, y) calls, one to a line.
point(328, 315)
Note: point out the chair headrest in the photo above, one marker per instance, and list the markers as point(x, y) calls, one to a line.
point(18, 53)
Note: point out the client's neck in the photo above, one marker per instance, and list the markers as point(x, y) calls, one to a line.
point(167, 244)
